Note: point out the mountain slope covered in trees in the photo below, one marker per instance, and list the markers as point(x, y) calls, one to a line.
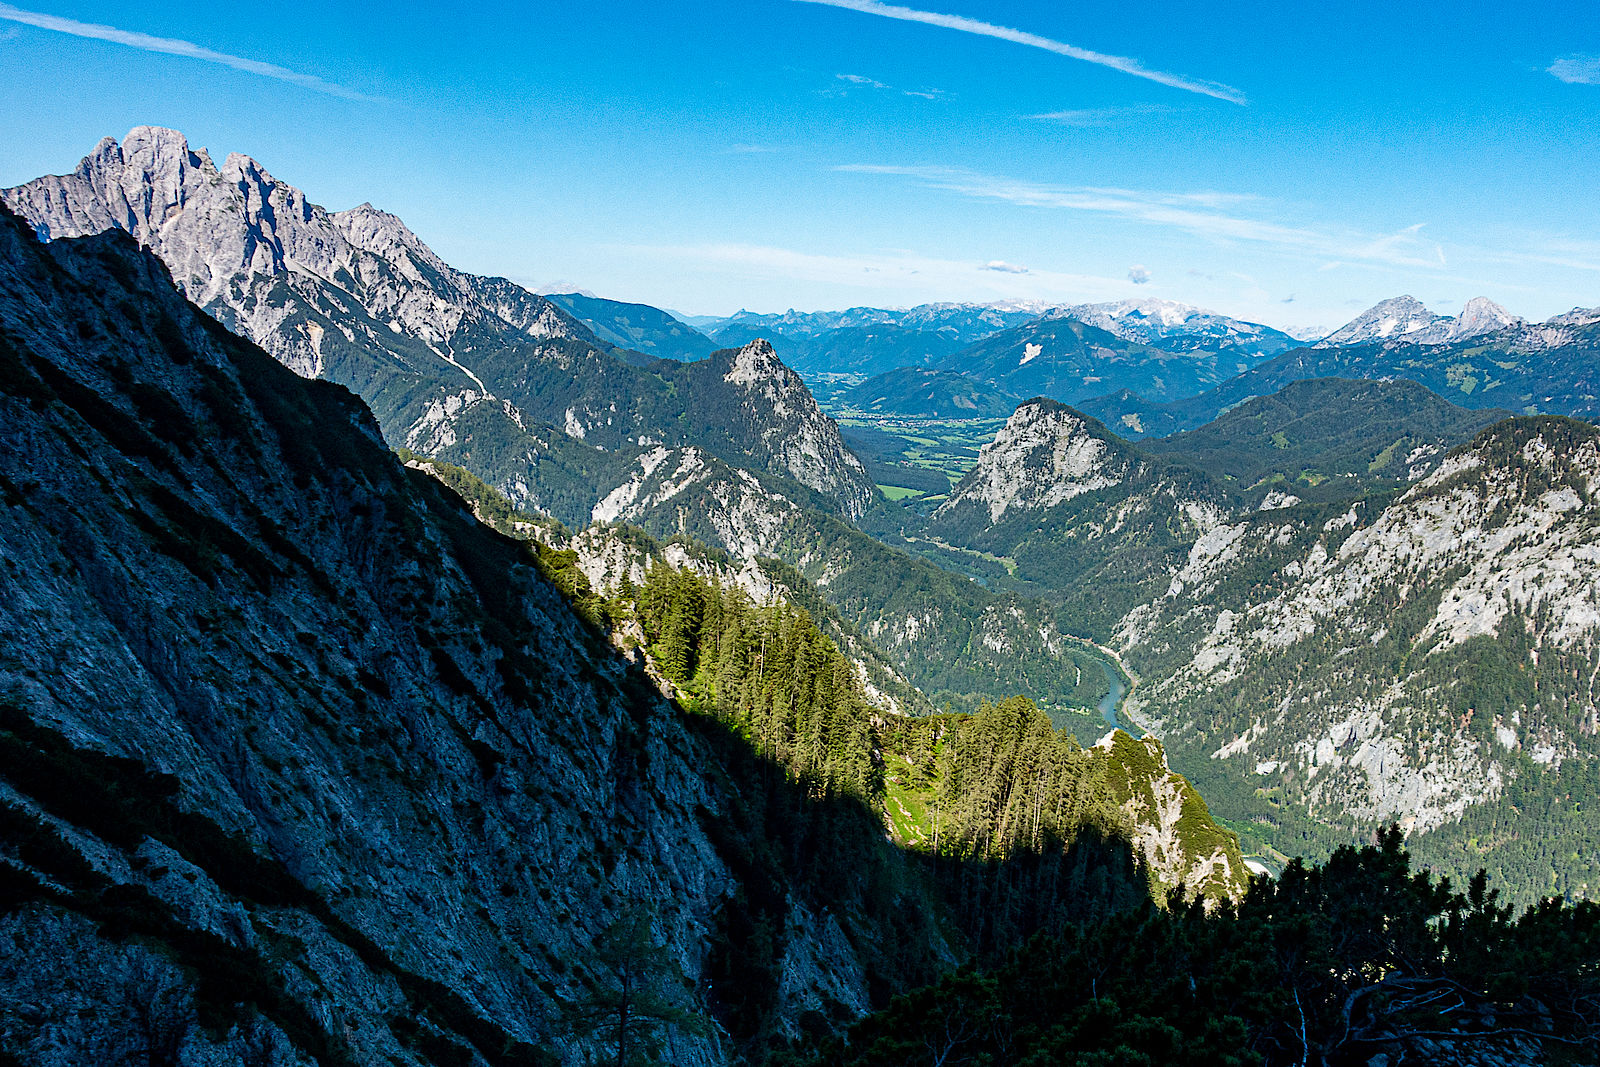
point(1066, 359)
point(1400, 658)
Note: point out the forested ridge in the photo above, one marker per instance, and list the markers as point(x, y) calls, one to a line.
point(984, 788)
point(998, 784)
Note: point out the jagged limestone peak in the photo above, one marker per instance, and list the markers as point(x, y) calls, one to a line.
point(1046, 453)
point(805, 442)
point(758, 361)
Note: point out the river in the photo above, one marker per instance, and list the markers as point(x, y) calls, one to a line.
point(1111, 703)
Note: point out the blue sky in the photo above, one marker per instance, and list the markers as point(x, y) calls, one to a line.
point(1286, 163)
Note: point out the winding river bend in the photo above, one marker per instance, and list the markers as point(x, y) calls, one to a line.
point(1119, 686)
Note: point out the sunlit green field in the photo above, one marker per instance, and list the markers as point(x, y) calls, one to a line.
point(927, 446)
point(898, 492)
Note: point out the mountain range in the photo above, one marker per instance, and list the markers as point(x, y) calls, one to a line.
point(302, 759)
point(471, 369)
point(1404, 318)
point(396, 658)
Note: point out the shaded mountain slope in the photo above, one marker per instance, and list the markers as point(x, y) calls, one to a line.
point(298, 759)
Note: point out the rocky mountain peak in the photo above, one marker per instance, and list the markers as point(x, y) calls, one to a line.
point(804, 442)
point(1176, 326)
point(1404, 318)
point(1480, 315)
point(1047, 453)
point(261, 256)
point(1577, 317)
point(755, 362)
point(1399, 316)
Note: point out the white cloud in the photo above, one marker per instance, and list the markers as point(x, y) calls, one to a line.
point(1577, 70)
point(173, 47)
point(1032, 40)
point(1099, 116)
point(1198, 213)
point(1004, 268)
point(864, 82)
point(1138, 275)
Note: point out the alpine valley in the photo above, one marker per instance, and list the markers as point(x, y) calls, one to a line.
point(398, 666)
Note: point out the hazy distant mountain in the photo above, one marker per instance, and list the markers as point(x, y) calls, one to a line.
point(866, 340)
point(1180, 327)
point(848, 349)
point(869, 340)
point(1548, 367)
point(1069, 360)
point(917, 392)
point(639, 327)
point(1405, 318)
point(962, 323)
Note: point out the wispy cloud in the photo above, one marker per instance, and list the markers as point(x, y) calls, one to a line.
point(861, 81)
point(1032, 40)
point(918, 277)
point(1100, 116)
point(173, 47)
point(1215, 215)
point(1577, 70)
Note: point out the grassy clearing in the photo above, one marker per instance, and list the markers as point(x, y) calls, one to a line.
point(905, 806)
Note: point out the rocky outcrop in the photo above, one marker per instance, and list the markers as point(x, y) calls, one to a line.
point(784, 417)
point(1045, 455)
point(1170, 824)
point(1403, 319)
point(695, 493)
